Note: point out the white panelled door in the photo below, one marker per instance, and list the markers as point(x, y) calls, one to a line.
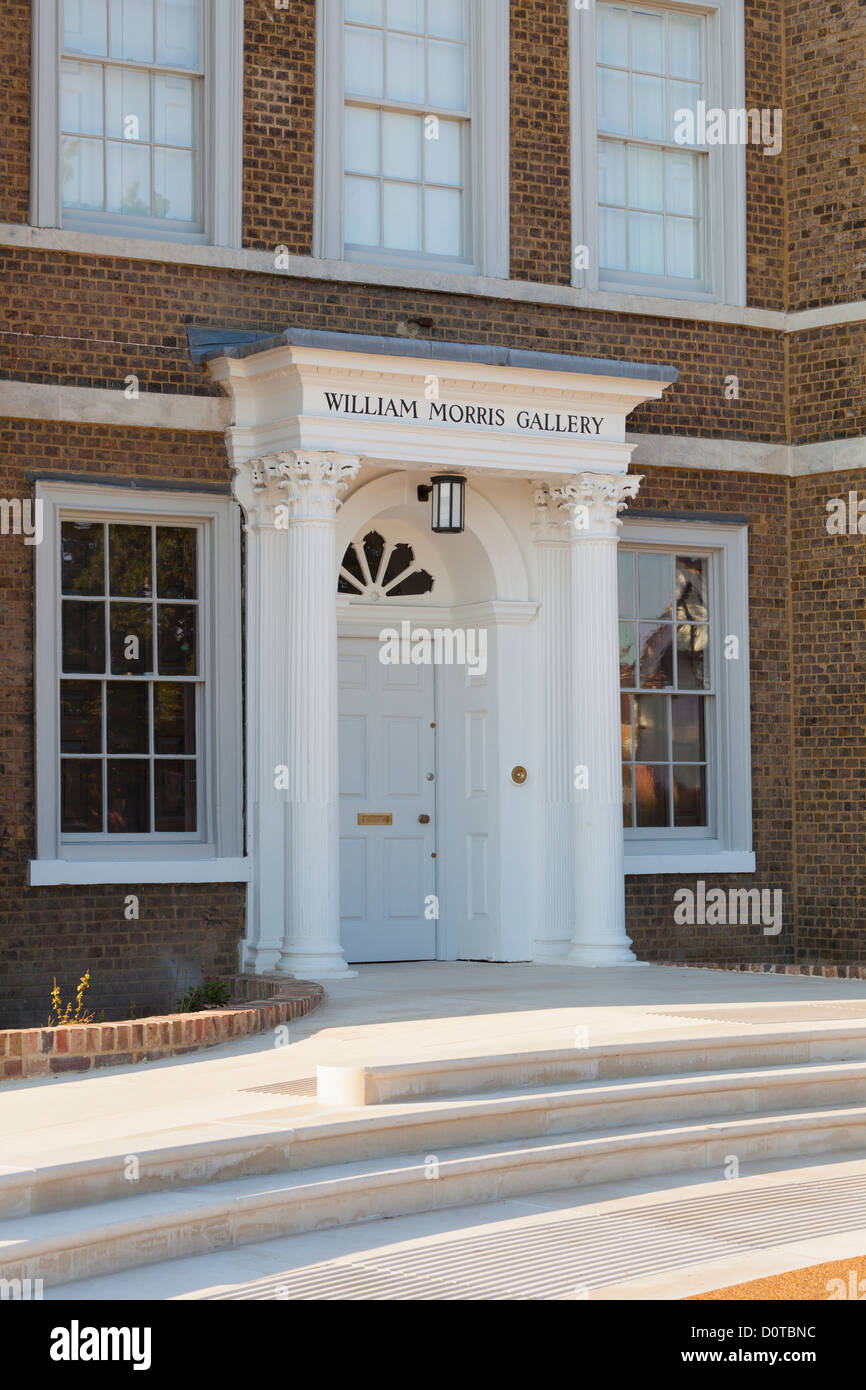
point(387, 756)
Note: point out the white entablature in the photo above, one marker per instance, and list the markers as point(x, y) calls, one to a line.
point(414, 403)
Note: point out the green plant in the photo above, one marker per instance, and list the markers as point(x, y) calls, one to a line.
point(209, 994)
point(63, 1015)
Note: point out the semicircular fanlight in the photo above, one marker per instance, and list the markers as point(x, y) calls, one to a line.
point(375, 569)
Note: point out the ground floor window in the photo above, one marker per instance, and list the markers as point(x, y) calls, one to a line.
point(137, 674)
point(684, 679)
point(665, 657)
point(131, 686)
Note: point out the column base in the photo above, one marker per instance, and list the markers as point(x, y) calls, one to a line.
point(551, 953)
point(261, 961)
point(602, 954)
point(316, 967)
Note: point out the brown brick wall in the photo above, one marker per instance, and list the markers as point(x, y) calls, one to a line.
point(821, 73)
point(808, 726)
point(279, 109)
point(540, 143)
point(827, 383)
point(88, 321)
point(765, 175)
point(63, 930)
point(829, 612)
point(15, 111)
point(650, 900)
point(826, 152)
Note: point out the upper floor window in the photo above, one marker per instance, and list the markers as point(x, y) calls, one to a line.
point(406, 122)
point(131, 87)
point(650, 65)
point(658, 210)
point(409, 92)
point(137, 118)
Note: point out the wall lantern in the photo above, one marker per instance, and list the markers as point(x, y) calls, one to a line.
point(448, 491)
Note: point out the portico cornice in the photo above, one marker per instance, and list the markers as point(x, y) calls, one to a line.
point(394, 405)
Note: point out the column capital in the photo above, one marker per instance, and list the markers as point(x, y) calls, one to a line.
point(550, 524)
point(304, 483)
point(593, 503)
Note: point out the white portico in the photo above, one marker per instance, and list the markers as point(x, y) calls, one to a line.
point(478, 806)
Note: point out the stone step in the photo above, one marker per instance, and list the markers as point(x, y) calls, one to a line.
point(432, 1125)
point(371, 1085)
point(59, 1247)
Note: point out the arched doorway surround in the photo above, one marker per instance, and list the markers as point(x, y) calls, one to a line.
point(484, 893)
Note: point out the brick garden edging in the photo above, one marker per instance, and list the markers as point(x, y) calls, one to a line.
point(46, 1051)
point(827, 972)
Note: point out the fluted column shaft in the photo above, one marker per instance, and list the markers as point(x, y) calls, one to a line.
point(302, 717)
point(555, 927)
point(312, 942)
point(265, 585)
point(593, 503)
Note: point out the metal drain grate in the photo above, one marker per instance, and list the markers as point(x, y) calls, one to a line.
point(767, 1013)
point(552, 1258)
point(303, 1086)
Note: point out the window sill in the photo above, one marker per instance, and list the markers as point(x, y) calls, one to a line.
point(686, 861)
point(141, 228)
point(691, 292)
point(43, 873)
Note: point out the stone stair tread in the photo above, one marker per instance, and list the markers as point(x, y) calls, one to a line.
point(327, 1119)
point(28, 1235)
point(729, 1078)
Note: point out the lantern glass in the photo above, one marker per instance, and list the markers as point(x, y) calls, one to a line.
point(448, 502)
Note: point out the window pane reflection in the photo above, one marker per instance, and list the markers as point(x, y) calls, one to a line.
point(666, 651)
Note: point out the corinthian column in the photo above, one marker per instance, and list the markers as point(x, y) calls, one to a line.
point(592, 503)
point(301, 762)
point(552, 536)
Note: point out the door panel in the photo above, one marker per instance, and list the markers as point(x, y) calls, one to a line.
point(387, 750)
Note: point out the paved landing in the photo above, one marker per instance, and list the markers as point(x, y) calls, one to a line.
point(394, 1013)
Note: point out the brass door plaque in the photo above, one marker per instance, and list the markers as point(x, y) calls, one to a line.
point(375, 818)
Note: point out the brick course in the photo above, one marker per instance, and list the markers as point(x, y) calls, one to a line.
point(52, 1051)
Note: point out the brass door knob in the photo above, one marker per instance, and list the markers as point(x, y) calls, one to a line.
point(423, 820)
point(518, 774)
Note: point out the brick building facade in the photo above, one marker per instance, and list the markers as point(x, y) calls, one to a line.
point(95, 295)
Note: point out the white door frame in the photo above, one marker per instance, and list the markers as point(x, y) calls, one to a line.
point(511, 914)
point(367, 620)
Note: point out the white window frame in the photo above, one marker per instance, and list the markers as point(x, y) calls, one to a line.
point(220, 156)
point(486, 187)
point(724, 210)
point(726, 846)
point(215, 852)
